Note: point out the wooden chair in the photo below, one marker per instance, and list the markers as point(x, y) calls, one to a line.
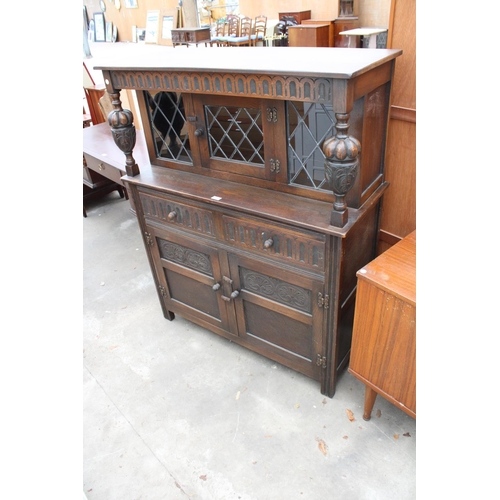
point(105, 105)
point(259, 31)
point(233, 28)
point(220, 33)
point(245, 33)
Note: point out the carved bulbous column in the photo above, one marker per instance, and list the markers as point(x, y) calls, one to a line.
point(122, 126)
point(341, 167)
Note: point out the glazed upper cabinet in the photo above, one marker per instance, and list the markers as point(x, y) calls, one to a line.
point(262, 195)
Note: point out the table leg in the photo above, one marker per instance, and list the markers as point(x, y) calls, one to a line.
point(370, 396)
point(372, 44)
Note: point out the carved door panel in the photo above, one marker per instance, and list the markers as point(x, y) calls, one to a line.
point(241, 135)
point(190, 278)
point(278, 314)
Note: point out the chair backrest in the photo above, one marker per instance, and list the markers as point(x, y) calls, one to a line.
point(220, 28)
point(246, 27)
point(105, 105)
point(233, 25)
point(259, 28)
point(260, 25)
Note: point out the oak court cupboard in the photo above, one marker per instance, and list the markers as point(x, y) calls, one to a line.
point(262, 194)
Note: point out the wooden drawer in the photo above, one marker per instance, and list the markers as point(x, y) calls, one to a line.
point(105, 169)
point(302, 248)
point(299, 248)
point(93, 179)
point(178, 213)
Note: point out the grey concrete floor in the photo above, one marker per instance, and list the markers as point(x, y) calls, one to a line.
point(171, 411)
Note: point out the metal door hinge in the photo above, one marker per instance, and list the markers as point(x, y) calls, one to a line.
point(275, 165)
point(323, 301)
point(272, 114)
point(149, 239)
point(163, 291)
point(321, 361)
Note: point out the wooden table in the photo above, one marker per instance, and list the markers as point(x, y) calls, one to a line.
point(370, 33)
point(103, 162)
point(190, 36)
point(383, 341)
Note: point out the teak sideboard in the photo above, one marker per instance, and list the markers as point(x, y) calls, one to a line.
point(383, 353)
point(261, 197)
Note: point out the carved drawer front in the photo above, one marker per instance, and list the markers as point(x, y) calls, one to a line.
point(105, 169)
point(305, 249)
point(178, 214)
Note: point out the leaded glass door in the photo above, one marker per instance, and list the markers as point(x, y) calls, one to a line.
point(240, 135)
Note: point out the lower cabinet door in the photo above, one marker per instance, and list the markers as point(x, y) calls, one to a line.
point(190, 278)
point(270, 310)
point(278, 314)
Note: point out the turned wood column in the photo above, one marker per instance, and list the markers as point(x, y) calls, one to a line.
point(122, 126)
point(341, 167)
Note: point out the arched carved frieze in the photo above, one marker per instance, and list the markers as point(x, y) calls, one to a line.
point(266, 86)
point(273, 87)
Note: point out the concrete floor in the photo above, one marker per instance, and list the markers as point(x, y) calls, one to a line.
point(173, 412)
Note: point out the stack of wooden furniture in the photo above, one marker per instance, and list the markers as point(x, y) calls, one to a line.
point(312, 32)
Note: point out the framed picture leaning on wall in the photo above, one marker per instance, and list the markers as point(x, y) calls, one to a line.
point(152, 25)
point(91, 31)
point(168, 20)
point(109, 31)
point(99, 27)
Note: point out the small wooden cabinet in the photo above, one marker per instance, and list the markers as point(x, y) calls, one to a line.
point(383, 343)
point(331, 28)
point(309, 35)
point(187, 36)
point(256, 205)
